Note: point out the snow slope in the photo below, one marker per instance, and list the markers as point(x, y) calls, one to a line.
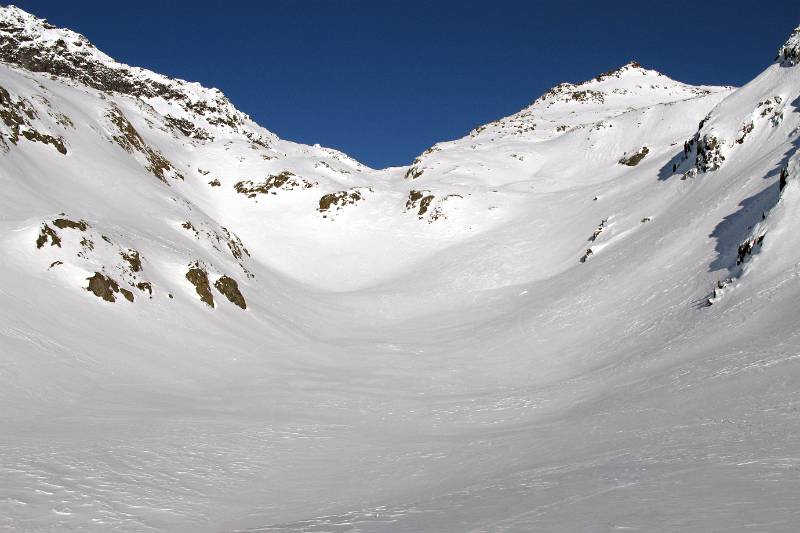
point(576, 318)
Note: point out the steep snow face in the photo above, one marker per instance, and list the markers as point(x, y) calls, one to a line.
point(207, 328)
point(758, 127)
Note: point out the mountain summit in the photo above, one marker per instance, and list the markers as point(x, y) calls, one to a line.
point(205, 327)
point(789, 53)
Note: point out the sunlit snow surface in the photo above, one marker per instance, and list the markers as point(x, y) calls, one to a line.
point(403, 372)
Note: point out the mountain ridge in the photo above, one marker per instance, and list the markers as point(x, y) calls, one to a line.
point(589, 303)
point(43, 47)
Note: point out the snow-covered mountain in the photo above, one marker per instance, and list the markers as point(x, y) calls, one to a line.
point(580, 317)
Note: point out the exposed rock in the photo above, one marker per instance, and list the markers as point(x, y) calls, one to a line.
point(420, 200)
point(339, 199)
point(257, 141)
point(48, 233)
point(716, 294)
point(145, 286)
point(189, 226)
point(130, 140)
point(199, 278)
point(105, 287)
point(771, 108)
point(617, 72)
point(286, 181)
point(56, 142)
point(414, 171)
point(789, 53)
point(636, 158)
point(133, 259)
point(747, 248)
point(17, 116)
point(588, 96)
point(228, 287)
point(709, 156)
point(87, 244)
point(235, 245)
point(38, 46)
point(568, 92)
point(188, 128)
point(598, 231)
point(746, 130)
point(64, 223)
point(219, 238)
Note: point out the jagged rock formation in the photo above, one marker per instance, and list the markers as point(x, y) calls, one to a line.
point(789, 53)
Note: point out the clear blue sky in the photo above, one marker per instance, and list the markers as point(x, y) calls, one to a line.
point(384, 80)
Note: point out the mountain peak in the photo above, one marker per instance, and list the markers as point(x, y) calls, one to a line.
point(630, 66)
point(12, 12)
point(789, 53)
point(625, 85)
point(29, 41)
point(36, 45)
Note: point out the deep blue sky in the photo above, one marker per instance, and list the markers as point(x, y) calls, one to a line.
point(382, 81)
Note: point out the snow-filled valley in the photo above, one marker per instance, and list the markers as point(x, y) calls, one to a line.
point(581, 317)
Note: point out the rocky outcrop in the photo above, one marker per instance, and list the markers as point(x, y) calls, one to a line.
point(106, 288)
point(709, 152)
point(748, 247)
point(16, 115)
point(48, 234)
point(427, 206)
point(789, 53)
point(285, 181)
point(65, 223)
point(133, 259)
point(636, 158)
point(337, 200)
point(188, 128)
point(771, 109)
point(598, 230)
point(198, 277)
point(37, 46)
point(230, 289)
point(414, 171)
point(219, 237)
point(226, 286)
point(419, 201)
point(126, 136)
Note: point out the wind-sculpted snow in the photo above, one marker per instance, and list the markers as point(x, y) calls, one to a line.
point(579, 317)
